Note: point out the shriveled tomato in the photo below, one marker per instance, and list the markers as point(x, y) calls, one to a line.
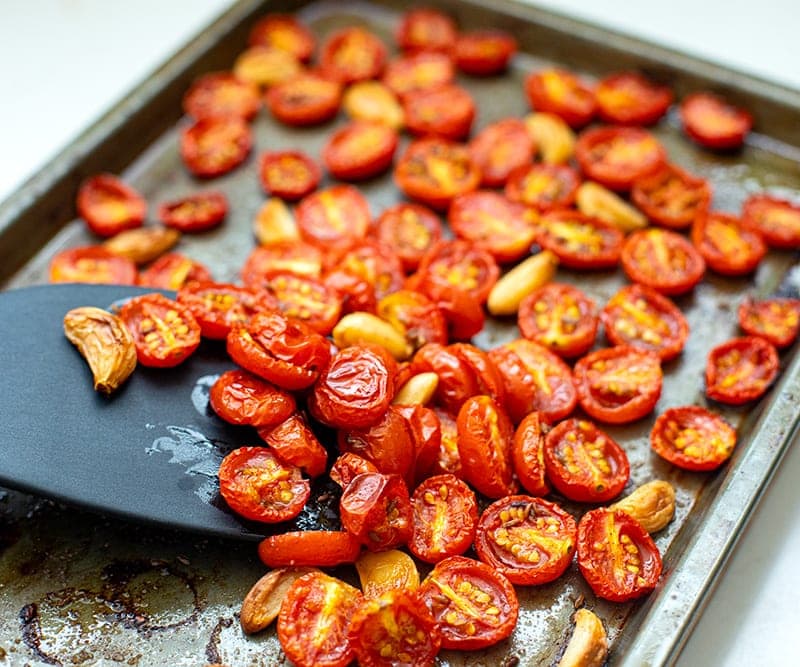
point(629, 98)
point(377, 510)
point(777, 320)
point(462, 265)
point(195, 213)
point(360, 150)
point(478, 362)
point(777, 220)
point(448, 460)
point(91, 264)
point(713, 123)
point(333, 217)
point(426, 29)
point(529, 540)
point(415, 315)
point(641, 317)
point(375, 263)
point(256, 485)
point(347, 466)
point(484, 52)
point(220, 94)
point(313, 548)
point(527, 454)
point(499, 149)
point(289, 175)
point(352, 54)
point(580, 241)
point(616, 556)
point(583, 463)
point(543, 186)
point(560, 317)
point(741, 370)
point(285, 32)
point(165, 331)
point(663, 260)
point(410, 230)
point(672, 197)
point(173, 271)
point(109, 206)
point(426, 433)
point(373, 102)
point(307, 99)
point(445, 111)
point(419, 71)
point(560, 92)
point(356, 294)
point(727, 245)
point(294, 257)
point(214, 146)
point(239, 397)
point(306, 300)
point(461, 308)
point(692, 438)
point(474, 605)
point(295, 443)
point(218, 307)
point(314, 621)
point(384, 571)
point(265, 66)
point(458, 378)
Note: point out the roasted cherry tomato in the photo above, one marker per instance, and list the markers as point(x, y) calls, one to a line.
point(384, 571)
point(727, 245)
point(583, 463)
point(474, 605)
point(484, 52)
point(352, 54)
point(289, 175)
point(221, 94)
point(360, 150)
point(333, 217)
point(214, 146)
point(373, 102)
point(347, 466)
point(629, 98)
point(561, 93)
point(433, 171)
point(488, 378)
point(776, 320)
point(641, 317)
point(109, 206)
point(543, 186)
point(375, 263)
point(618, 385)
point(307, 99)
point(239, 397)
point(460, 307)
point(560, 317)
point(313, 548)
point(295, 257)
point(714, 123)
point(195, 213)
point(499, 149)
point(295, 443)
point(266, 66)
point(663, 260)
point(416, 316)
point(426, 30)
point(529, 540)
point(218, 307)
point(446, 111)
point(410, 230)
point(580, 241)
point(426, 433)
point(91, 264)
point(527, 455)
point(306, 300)
point(448, 461)
point(256, 485)
point(777, 220)
point(356, 294)
point(462, 265)
point(504, 228)
point(314, 621)
point(419, 71)
point(692, 438)
point(284, 32)
point(377, 510)
point(741, 370)
point(672, 197)
point(173, 271)
point(165, 331)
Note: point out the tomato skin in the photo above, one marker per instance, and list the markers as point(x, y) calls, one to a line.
point(740, 370)
point(333, 217)
point(561, 93)
point(285, 32)
point(109, 206)
point(777, 220)
point(527, 455)
point(546, 187)
point(713, 123)
point(671, 197)
point(375, 263)
point(417, 316)
point(214, 146)
point(727, 245)
point(641, 261)
point(218, 307)
point(347, 466)
point(285, 257)
point(418, 71)
point(484, 52)
point(461, 308)
point(605, 569)
point(709, 441)
point(173, 271)
point(295, 443)
point(312, 548)
point(628, 98)
point(446, 111)
point(499, 149)
point(239, 397)
point(457, 380)
point(255, 483)
point(564, 232)
point(426, 29)
point(195, 213)
point(307, 99)
point(478, 362)
point(776, 320)
point(376, 509)
point(426, 436)
point(410, 230)
point(356, 294)
point(360, 150)
point(290, 175)
point(221, 94)
point(463, 265)
point(352, 54)
point(91, 264)
point(306, 300)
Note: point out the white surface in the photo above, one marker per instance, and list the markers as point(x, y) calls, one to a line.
point(65, 62)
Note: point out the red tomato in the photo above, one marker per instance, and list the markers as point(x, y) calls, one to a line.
point(214, 146)
point(312, 548)
point(359, 150)
point(448, 460)
point(776, 320)
point(463, 595)
point(446, 111)
point(306, 300)
point(195, 213)
point(218, 307)
point(461, 264)
point(461, 308)
point(165, 332)
point(109, 206)
point(295, 443)
point(347, 466)
point(641, 317)
point(560, 317)
point(662, 260)
point(307, 99)
point(434, 171)
point(426, 30)
point(488, 378)
point(377, 510)
point(91, 264)
point(241, 398)
point(692, 438)
point(173, 271)
point(777, 220)
point(561, 93)
point(416, 316)
point(356, 294)
point(714, 123)
point(740, 370)
point(257, 486)
point(727, 245)
point(484, 52)
point(419, 71)
point(221, 94)
point(629, 98)
point(671, 197)
point(294, 257)
point(284, 32)
point(289, 175)
point(352, 54)
point(618, 385)
point(410, 230)
point(499, 149)
point(333, 217)
point(580, 241)
point(543, 186)
point(426, 434)
point(529, 540)
point(527, 455)
point(583, 463)
point(371, 261)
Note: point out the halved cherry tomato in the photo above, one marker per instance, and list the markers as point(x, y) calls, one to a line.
point(256, 485)
point(529, 540)
point(426, 433)
point(359, 150)
point(373, 102)
point(504, 228)
point(333, 217)
point(543, 186)
point(109, 206)
point(307, 99)
point(714, 123)
point(499, 149)
point(305, 299)
point(741, 370)
point(448, 461)
point(242, 398)
point(294, 257)
point(488, 378)
point(415, 315)
point(474, 605)
point(352, 54)
point(218, 307)
point(221, 94)
point(527, 455)
point(314, 548)
point(290, 175)
point(356, 293)
point(777, 220)
point(314, 621)
point(727, 245)
point(583, 463)
point(347, 466)
point(266, 66)
point(384, 571)
point(91, 264)
point(410, 230)
point(371, 261)
point(618, 385)
point(434, 171)
point(776, 320)
point(616, 156)
point(560, 317)
point(460, 307)
point(165, 331)
point(214, 146)
point(462, 265)
point(285, 32)
point(663, 260)
point(672, 197)
point(692, 438)
point(173, 271)
point(377, 510)
point(426, 29)
point(580, 241)
point(446, 111)
point(641, 317)
point(629, 98)
point(295, 443)
point(561, 93)
point(419, 71)
point(483, 52)
point(195, 213)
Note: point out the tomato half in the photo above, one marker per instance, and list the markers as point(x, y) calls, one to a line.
point(714, 123)
point(419, 71)
point(484, 52)
point(463, 265)
point(214, 146)
point(410, 230)
point(312, 548)
point(692, 438)
point(284, 32)
point(727, 245)
point(445, 111)
point(543, 186)
point(489, 381)
point(461, 308)
point(448, 460)
point(426, 30)
point(777, 220)
point(257, 486)
point(360, 150)
point(426, 433)
point(290, 175)
point(741, 370)
point(347, 466)
point(415, 315)
point(371, 261)
point(618, 385)
point(776, 320)
point(91, 264)
point(663, 260)
point(333, 217)
point(629, 98)
point(218, 307)
point(352, 54)
point(109, 206)
point(307, 99)
point(561, 93)
point(377, 510)
point(305, 299)
point(580, 241)
point(266, 66)
point(293, 257)
point(672, 197)
point(173, 271)
point(295, 443)
point(499, 149)
point(195, 213)
point(221, 94)
point(239, 397)
point(527, 454)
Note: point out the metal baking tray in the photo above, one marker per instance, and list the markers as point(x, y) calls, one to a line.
point(82, 589)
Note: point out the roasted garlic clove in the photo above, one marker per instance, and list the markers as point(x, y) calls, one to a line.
point(652, 505)
point(588, 645)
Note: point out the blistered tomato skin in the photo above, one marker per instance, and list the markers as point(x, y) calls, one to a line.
point(376, 509)
point(241, 398)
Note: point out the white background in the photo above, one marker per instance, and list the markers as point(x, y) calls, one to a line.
point(63, 63)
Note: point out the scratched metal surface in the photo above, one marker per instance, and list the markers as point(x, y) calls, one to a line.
point(84, 590)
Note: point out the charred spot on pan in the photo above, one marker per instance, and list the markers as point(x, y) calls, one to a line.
point(212, 647)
